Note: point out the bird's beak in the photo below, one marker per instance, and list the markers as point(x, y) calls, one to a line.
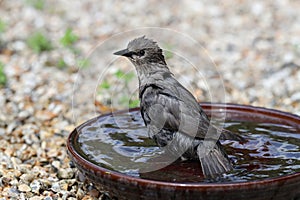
point(124, 52)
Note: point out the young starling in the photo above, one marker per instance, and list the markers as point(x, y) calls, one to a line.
point(173, 117)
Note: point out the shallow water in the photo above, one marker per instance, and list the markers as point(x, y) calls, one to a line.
point(120, 143)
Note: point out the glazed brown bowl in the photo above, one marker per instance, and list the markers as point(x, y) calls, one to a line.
point(124, 186)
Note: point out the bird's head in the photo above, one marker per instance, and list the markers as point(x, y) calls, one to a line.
point(142, 51)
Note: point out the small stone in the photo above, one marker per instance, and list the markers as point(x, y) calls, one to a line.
point(11, 127)
point(35, 198)
point(2, 131)
point(72, 198)
point(23, 115)
point(257, 8)
point(57, 109)
point(16, 161)
point(55, 187)
point(44, 115)
point(14, 182)
point(80, 193)
point(35, 186)
point(45, 183)
point(44, 135)
point(65, 173)
point(27, 178)
point(24, 188)
point(63, 185)
point(24, 168)
point(52, 153)
point(56, 164)
point(13, 192)
point(18, 45)
point(296, 97)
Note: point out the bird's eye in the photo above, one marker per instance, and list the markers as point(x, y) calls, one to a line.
point(141, 53)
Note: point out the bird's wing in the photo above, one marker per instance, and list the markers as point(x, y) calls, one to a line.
point(192, 108)
point(173, 109)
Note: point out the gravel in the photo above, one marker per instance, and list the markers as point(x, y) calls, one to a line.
point(255, 46)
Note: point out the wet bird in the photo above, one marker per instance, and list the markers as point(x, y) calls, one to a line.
point(172, 115)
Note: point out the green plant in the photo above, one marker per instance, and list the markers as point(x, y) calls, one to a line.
point(69, 38)
point(132, 103)
point(127, 77)
point(39, 42)
point(3, 78)
point(83, 63)
point(61, 63)
point(122, 79)
point(104, 85)
point(37, 4)
point(168, 51)
point(2, 26)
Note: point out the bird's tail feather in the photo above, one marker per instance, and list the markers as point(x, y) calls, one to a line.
point(215, 162)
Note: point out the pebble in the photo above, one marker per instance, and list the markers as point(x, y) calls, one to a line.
point(66, 173)
point(56, 164)
point(296, 97)
point(36, 198)
point(23, 115)
point(11, 127)
point(55, 187)
point(27, 178)
point(13, 192)
point(2, 131)
point(24, 188)
point(35, 186)
point(44, 115)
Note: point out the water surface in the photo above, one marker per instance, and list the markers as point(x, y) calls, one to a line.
point(121, 143)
